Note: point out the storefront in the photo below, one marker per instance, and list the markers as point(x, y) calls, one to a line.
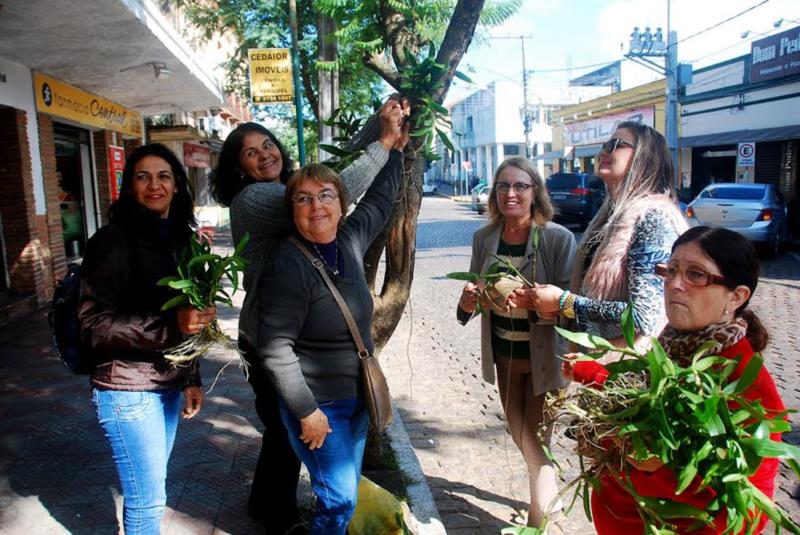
point(740, 121)
point(88, 134)
point(579, 130)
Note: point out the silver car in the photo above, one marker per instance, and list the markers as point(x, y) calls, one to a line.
point(756, 211)
point(480, 198)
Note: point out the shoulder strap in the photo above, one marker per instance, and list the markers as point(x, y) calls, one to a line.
point(348, 317)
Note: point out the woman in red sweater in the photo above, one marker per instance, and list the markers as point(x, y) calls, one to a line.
point(708, 283)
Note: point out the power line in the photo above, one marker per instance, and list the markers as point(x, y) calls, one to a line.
point(721, 22)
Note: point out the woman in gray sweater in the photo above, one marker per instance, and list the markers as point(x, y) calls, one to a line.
point(250, 178)
point(305, 346)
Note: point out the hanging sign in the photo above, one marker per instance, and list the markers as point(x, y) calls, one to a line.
point(270, 75)
point(58, 98)
point(195, 155)
point(116, 163)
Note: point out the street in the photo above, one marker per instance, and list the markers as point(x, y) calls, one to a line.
point(454, 419)
point(57, 475)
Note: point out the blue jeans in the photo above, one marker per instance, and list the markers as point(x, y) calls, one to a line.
point(140, 427)
point(335, 468)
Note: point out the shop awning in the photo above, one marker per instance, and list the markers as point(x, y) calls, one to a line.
point(740, 136)
point(552, 155)
point(587, 150)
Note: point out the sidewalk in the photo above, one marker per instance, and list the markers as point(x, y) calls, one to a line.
point(55, 464)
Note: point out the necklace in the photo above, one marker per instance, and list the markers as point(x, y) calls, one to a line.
point(334, 269)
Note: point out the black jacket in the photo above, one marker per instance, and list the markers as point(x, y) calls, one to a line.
point(122, 326)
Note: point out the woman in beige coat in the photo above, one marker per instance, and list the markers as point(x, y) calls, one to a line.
point(521, 346)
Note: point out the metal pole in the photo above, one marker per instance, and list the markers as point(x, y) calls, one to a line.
point(672, 101)
point(298, 100)
point(526, 118)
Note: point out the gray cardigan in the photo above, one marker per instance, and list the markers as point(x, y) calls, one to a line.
point(553, 266)
point(260, 209)
point(304, 344)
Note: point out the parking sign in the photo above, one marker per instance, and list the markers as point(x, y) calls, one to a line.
point(746, 155)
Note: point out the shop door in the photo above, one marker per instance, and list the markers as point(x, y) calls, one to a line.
point(76, 192)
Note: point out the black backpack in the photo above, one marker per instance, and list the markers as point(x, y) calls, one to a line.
point(65, 325)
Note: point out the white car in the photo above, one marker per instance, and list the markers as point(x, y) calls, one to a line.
point(480, 198)
point(429, 189)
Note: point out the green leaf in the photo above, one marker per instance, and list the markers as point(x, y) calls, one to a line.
point(628, 328)
point(333, 149)
point(178, 300)
point(463, 276)
point(202, 259)
point(181, 284)
point(242, 244)
point(769, 448)
point(750, 373)
point(165, 281)
point(446, 140)
point(460, 75)
point(586, 340)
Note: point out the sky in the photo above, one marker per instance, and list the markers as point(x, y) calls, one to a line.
point(562, 37)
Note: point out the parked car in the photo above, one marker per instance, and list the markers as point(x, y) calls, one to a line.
point(576, 196)
point(429, 189)
point(756, 211)
point(480, 197)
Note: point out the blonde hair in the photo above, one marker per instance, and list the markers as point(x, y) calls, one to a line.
point(651, 172)
point(542, 209)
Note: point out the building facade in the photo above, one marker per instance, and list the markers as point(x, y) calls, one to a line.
point(740, 120)
point(76, 83)
point(580, 129)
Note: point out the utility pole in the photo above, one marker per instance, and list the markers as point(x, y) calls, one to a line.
point(526, 113)
point(298, 98)
point(328, 81)
point(644, 45)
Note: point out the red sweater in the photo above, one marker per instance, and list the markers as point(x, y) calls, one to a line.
point(614, 510)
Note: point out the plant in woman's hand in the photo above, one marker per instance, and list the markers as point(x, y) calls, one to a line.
point(200, 282)
point(684, 415)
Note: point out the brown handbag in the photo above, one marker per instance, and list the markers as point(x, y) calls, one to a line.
point(376, 390)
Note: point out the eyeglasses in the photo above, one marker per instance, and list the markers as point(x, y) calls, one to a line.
point(325, 196)
point(691, 276)
point(519, 187)
point(614, 143)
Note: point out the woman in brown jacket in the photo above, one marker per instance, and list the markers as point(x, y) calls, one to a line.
point(137, 394)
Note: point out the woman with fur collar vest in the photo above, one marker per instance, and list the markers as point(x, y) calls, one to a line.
point(632, 232)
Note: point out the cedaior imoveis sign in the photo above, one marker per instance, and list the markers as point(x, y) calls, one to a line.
point(60, 99)
point(270, 75)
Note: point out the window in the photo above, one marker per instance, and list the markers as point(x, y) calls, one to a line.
point(469, 125)
point(511, 150)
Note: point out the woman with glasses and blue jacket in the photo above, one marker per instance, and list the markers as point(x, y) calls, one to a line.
point(632, 232)
point(519, 345)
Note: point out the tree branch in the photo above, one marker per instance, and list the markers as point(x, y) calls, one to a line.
point(377, 63)
point(457, 40)
point(308, 87)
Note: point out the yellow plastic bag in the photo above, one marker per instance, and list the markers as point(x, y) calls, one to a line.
point(378, 512)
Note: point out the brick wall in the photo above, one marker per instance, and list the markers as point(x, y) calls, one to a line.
point(102, 139)
point(50, 229)
point(131, 145)
point(23, 250)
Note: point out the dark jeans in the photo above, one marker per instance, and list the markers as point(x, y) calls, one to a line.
point(273, 494)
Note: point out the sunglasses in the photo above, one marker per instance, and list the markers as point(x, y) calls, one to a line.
point(614, 143)
point(691, 276)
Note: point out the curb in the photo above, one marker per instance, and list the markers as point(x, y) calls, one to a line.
point(425, 516)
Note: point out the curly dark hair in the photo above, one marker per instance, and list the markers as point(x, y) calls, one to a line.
point(127, 210)
point(227, 179)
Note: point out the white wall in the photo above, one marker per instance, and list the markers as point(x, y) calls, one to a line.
point(508, 115)
point(716, 78)
point(751, 117)
point(17, 92)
